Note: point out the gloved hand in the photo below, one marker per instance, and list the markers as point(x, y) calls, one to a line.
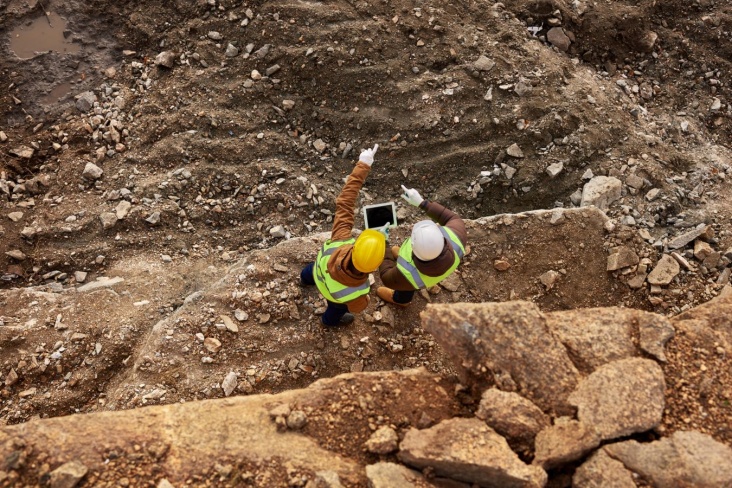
point(384, 230)
point(412, 196)
point(367, 155)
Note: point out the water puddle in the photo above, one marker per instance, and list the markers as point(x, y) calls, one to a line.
point(40, 36)
point(57, 93)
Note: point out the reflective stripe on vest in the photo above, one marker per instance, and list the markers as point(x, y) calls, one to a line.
point(331, 289)
point(405, 261)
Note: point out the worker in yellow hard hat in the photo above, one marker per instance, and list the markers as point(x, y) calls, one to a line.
point(431, 254)
point(341, 269)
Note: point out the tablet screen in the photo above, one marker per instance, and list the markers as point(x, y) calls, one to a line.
point(379, 215)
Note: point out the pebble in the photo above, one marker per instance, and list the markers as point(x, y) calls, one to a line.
point(230, 324)
point(652, 194)
point(165, 59)
point(212, 344)
point(80, 276)
point(215, 36)
point(15, 216)
point(665, 271)
point(288, 104)
point(67, 475)
point(319, 145)
point(256, 75)
point(154, 218)
point(85, 101)
point(108, 220)
point(515, 151)
point(3, 137)
point(296, 420)
point(241, 315)
point(232, 51)
point(122, 209)
point(549, 279)
point(92, 171)
point(501, 264)
point(483, 63)
point(229, 384)
point(554, 169)
point(277, 231)
point(16, 254)
point(164, 483)
point(166, 258)
point(557, 37)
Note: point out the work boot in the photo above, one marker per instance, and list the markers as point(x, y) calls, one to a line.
point(387, 294)
point(395, 251)
point(347, 318)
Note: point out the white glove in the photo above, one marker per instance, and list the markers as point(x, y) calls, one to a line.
point(384, 230)
point(412, 196)
point(367, 155)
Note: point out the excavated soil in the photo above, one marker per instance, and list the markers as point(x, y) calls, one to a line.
point(226, 160)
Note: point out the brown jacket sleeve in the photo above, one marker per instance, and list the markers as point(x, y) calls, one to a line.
point(391, 276)
point(444, 216)
point(346, 202)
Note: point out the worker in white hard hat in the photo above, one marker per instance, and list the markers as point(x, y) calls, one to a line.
point(430, 255)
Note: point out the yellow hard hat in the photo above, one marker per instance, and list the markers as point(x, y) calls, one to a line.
point(368, 251)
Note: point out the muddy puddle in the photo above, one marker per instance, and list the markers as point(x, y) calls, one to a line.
point(44, 33)
point(57, 93)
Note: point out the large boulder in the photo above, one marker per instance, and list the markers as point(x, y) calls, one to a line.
point(621, 398)
point(684, 459)
point(468, 450)
point(508, 343)
point(602, 471)
point(565, 441)
point(512, 416)
point(392, 475)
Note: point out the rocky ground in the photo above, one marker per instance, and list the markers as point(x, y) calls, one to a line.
point(162, 186)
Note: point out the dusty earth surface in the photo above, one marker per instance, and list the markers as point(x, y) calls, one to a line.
point(221, 162)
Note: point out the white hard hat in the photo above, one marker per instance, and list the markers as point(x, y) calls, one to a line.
point(427, 240)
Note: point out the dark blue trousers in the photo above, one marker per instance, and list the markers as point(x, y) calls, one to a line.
point(403, 296)
point(335, 311)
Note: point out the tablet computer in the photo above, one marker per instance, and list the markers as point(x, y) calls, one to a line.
point(379, 215)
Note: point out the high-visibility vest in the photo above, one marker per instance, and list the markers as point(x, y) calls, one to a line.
point(405, 261)
point(331, 289)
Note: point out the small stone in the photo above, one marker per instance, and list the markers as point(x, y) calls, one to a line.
point(288, 104)
point(23, 152)
point(3, 137)
point(554, 169)
point(558, 38)
point(272, 70)
point(601, 191)
point(623, 257)
point(164, 483)
point(634, 181)
point(702, 250)
point(16, 254)
point(665, 271)
point(515, 151)
point(296, 420)
point(652, 194)
point(67, 475)
point(122, 209)
point(92, 171)
point(277, 231)
point(232, 51)
point(230, 324)
point(165, 59)
point(229, 384)
point(80, 276)
point(548, 279)
point(108, 220)
point(557, 217)
point(215, 36)
point(319, 145)
point(153, 218)
point(241, 315)
point(256, 75)
point(501, 264)
point(212, 344)
point(15, 216)
point(384, 441)
point(85, 101)
point(716, 104)
point(483, 63)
